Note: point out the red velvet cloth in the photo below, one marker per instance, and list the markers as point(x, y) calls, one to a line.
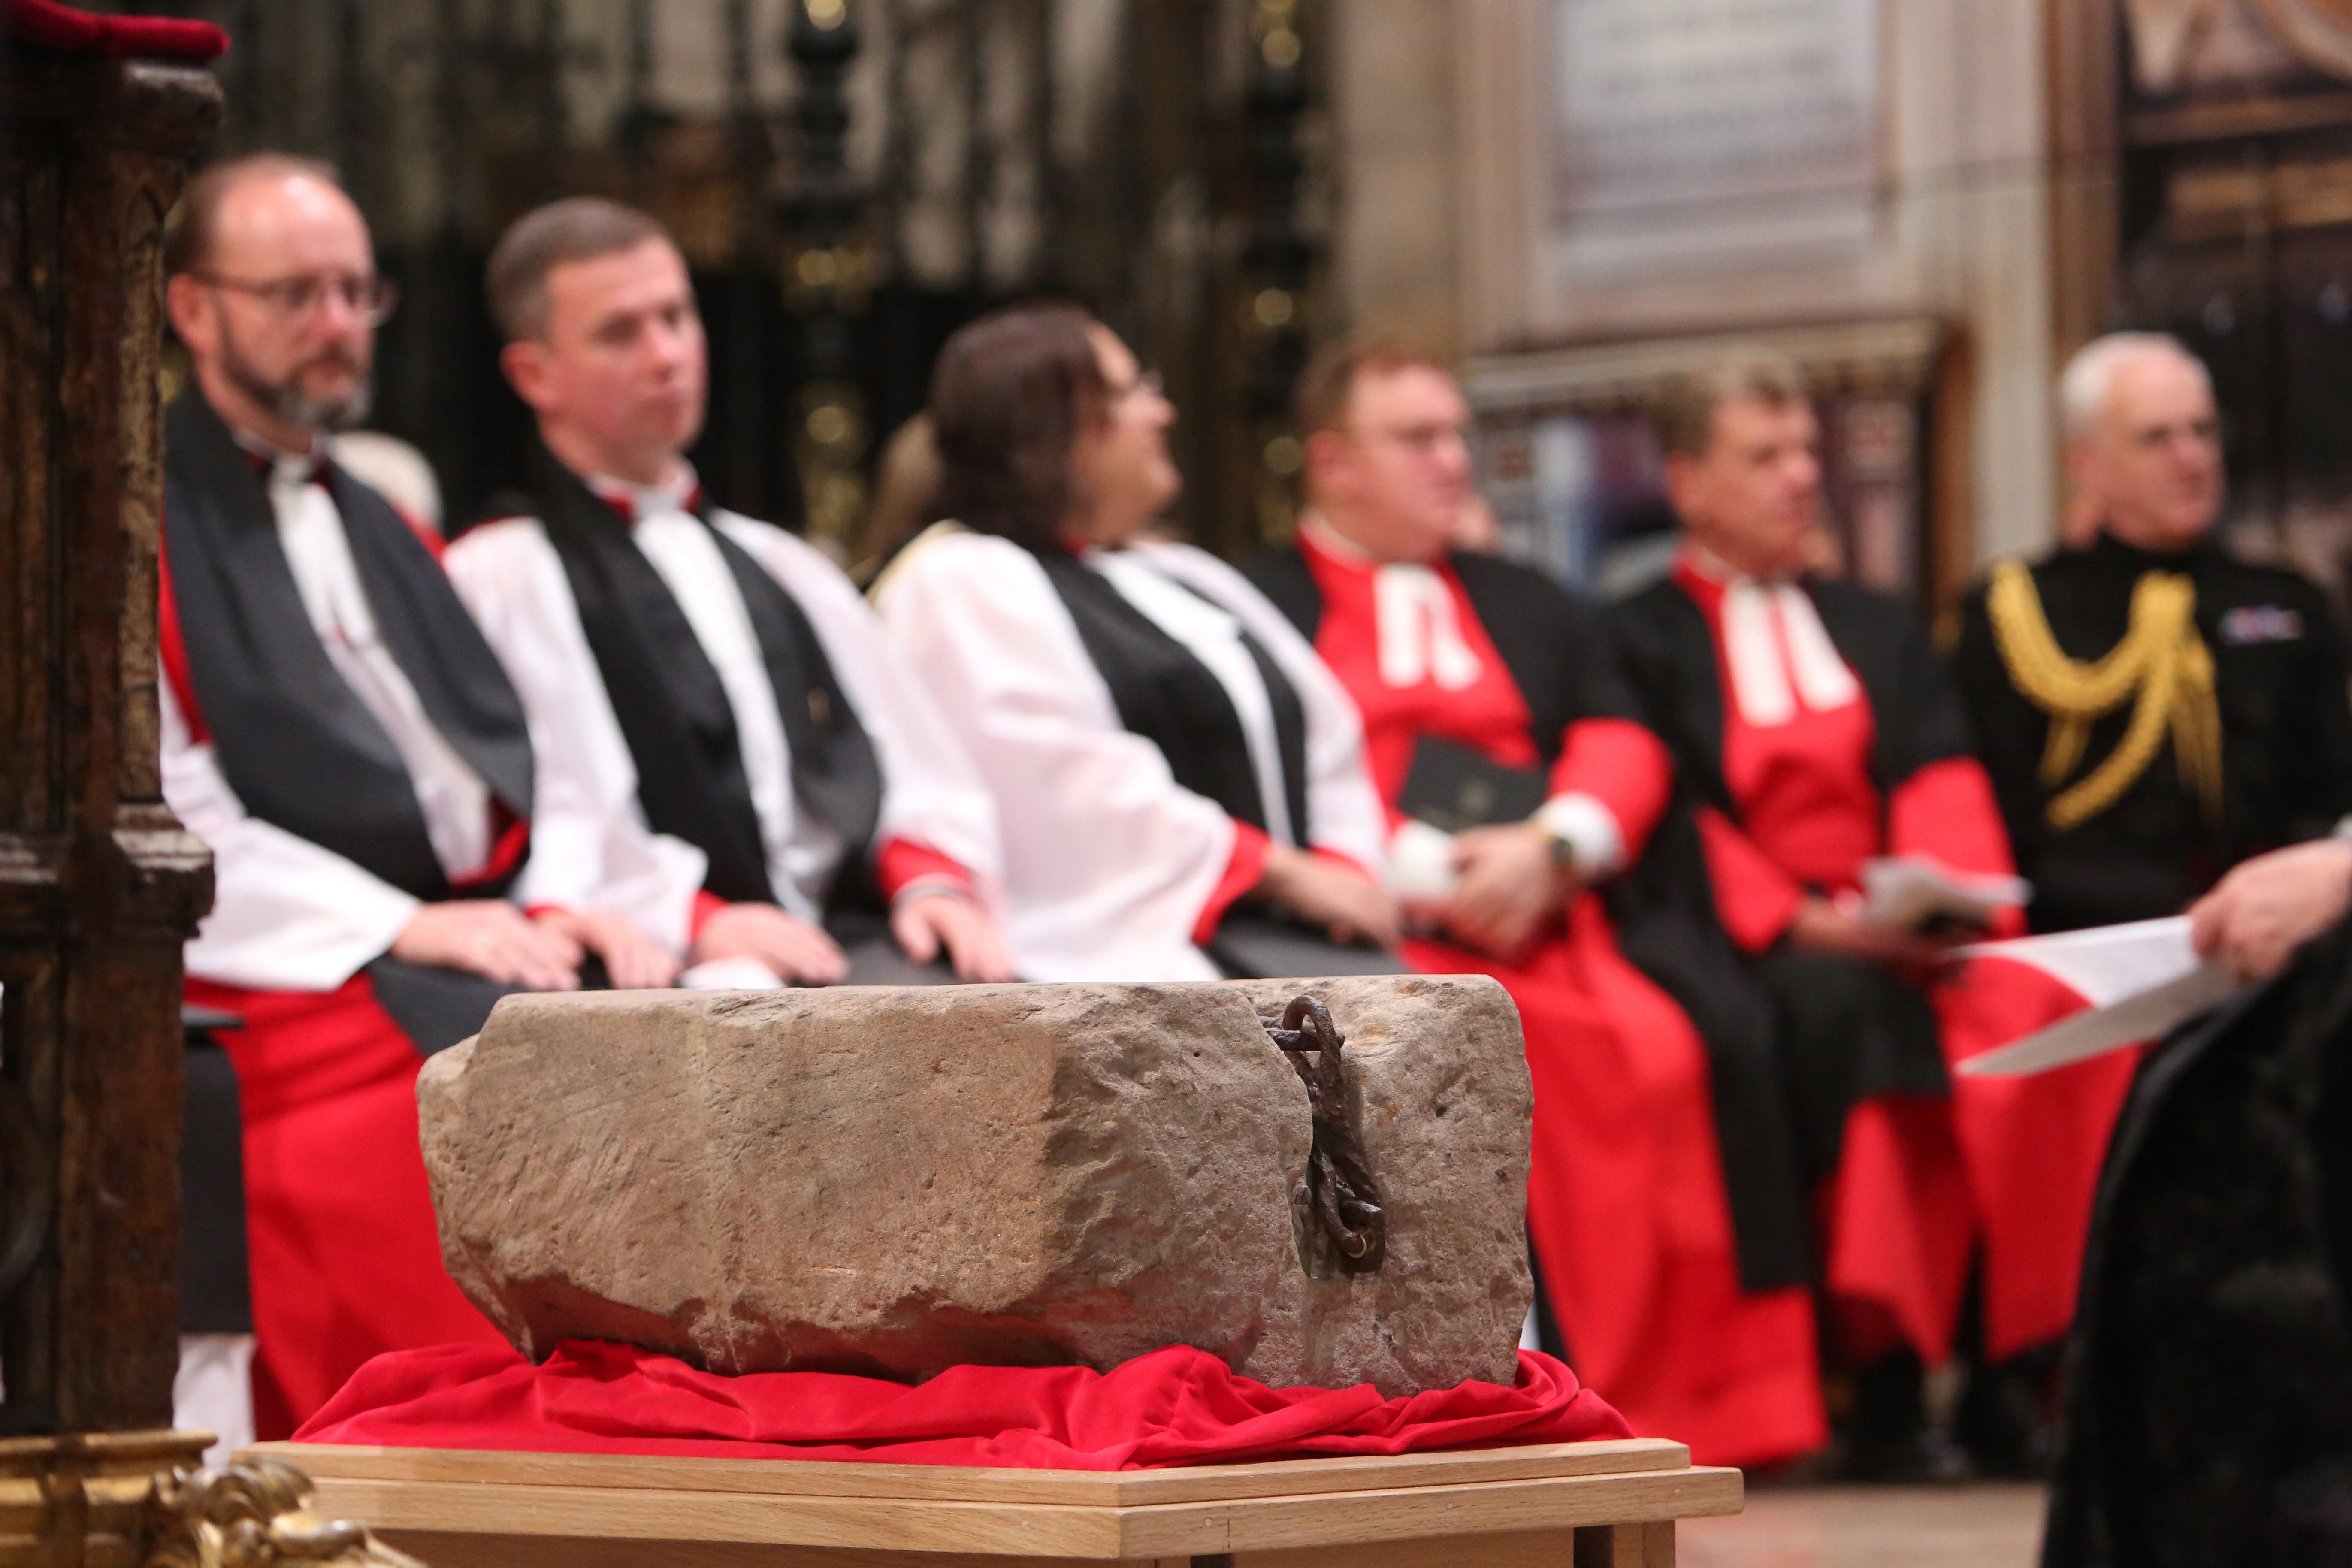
point(1175, 1406)
point(46, 24)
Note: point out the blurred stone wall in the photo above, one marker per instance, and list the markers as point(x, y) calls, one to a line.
point(1443, 113)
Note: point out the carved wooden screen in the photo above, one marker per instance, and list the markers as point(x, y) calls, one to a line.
point(2219, 209)
point(1142, 156)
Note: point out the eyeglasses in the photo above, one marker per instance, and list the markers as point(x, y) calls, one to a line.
point(1146, 381)
point(1413, 438)
point(370, 298)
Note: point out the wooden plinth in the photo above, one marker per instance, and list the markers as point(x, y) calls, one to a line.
point(86, 1498)
point(1574, 1505)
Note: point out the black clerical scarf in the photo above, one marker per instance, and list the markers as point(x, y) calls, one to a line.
point(673, 708)
point(295, 742)
point(1165, 694)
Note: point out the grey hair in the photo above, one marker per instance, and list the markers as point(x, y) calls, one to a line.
point(2090, 377)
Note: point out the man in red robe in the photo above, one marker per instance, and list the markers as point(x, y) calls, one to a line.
point(1518, 781)
point(337, 732)
point(1818, 731)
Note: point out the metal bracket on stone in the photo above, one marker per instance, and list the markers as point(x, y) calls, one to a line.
point(1340, 1190)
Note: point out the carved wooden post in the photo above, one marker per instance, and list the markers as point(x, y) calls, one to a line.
point(826, 275)
point(99, 885)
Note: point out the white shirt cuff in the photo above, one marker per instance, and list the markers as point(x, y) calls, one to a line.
point(1420, 862)
point(1589, 829)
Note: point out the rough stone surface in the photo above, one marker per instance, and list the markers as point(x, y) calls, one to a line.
point(897, 1180)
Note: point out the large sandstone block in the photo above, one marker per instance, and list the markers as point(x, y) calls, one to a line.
point(895, 1181)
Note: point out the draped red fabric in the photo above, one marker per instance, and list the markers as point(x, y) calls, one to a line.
point(49, 26)
point(1174, 1406)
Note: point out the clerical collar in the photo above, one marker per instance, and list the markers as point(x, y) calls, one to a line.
point(1316, 529)
point(268, 460)
point(681, 491)
point(1713, 569)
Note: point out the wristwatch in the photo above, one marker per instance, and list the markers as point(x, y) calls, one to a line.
point(1563, 850)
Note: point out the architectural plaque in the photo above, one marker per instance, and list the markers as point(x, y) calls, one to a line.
point(1709, 135)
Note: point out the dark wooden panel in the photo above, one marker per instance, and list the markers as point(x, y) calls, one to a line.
point(99, 886)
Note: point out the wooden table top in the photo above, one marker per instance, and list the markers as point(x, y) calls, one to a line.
point(1071, 1514)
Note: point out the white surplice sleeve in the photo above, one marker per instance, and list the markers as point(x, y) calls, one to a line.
point(287, 914)
point(1343, 806)
point(1108, 860)
point(589, 845)
point(932, 795)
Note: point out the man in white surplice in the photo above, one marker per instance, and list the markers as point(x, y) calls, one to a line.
point(726, 749)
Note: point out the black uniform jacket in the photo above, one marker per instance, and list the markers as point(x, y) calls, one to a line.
point(2287, 735)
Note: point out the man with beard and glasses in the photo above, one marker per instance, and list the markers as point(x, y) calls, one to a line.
point(337, 730)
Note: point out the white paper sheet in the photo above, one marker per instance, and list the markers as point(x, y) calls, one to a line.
point(2104, 963)
point(730, 974)
point(1903, 893)
point(2141, 981)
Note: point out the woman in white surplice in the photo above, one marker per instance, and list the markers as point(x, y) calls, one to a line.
point(1165, 750)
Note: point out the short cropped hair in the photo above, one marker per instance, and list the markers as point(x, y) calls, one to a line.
point(189, 246)
point(1325, 387)
point(2089, 378)
point(1009, 395)
point(1687, 416)
point(578, 228)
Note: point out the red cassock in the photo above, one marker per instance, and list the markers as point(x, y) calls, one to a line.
point(1626, 1204)
point(344, 1253)
point(1837, 739)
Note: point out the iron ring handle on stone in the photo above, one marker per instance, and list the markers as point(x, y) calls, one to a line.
point(1344, 1199)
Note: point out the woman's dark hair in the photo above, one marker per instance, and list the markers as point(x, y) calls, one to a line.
point(1009, 395)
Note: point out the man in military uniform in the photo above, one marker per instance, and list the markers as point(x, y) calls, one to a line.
point(2152, 710)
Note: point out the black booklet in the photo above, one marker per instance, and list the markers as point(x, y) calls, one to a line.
point(1454, 787)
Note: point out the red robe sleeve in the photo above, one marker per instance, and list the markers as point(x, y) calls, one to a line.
point(1620, 764)
point(1946, 813)
point(705, 904)
point(1754, 897)
point(901, 863)
point(1242, 869)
